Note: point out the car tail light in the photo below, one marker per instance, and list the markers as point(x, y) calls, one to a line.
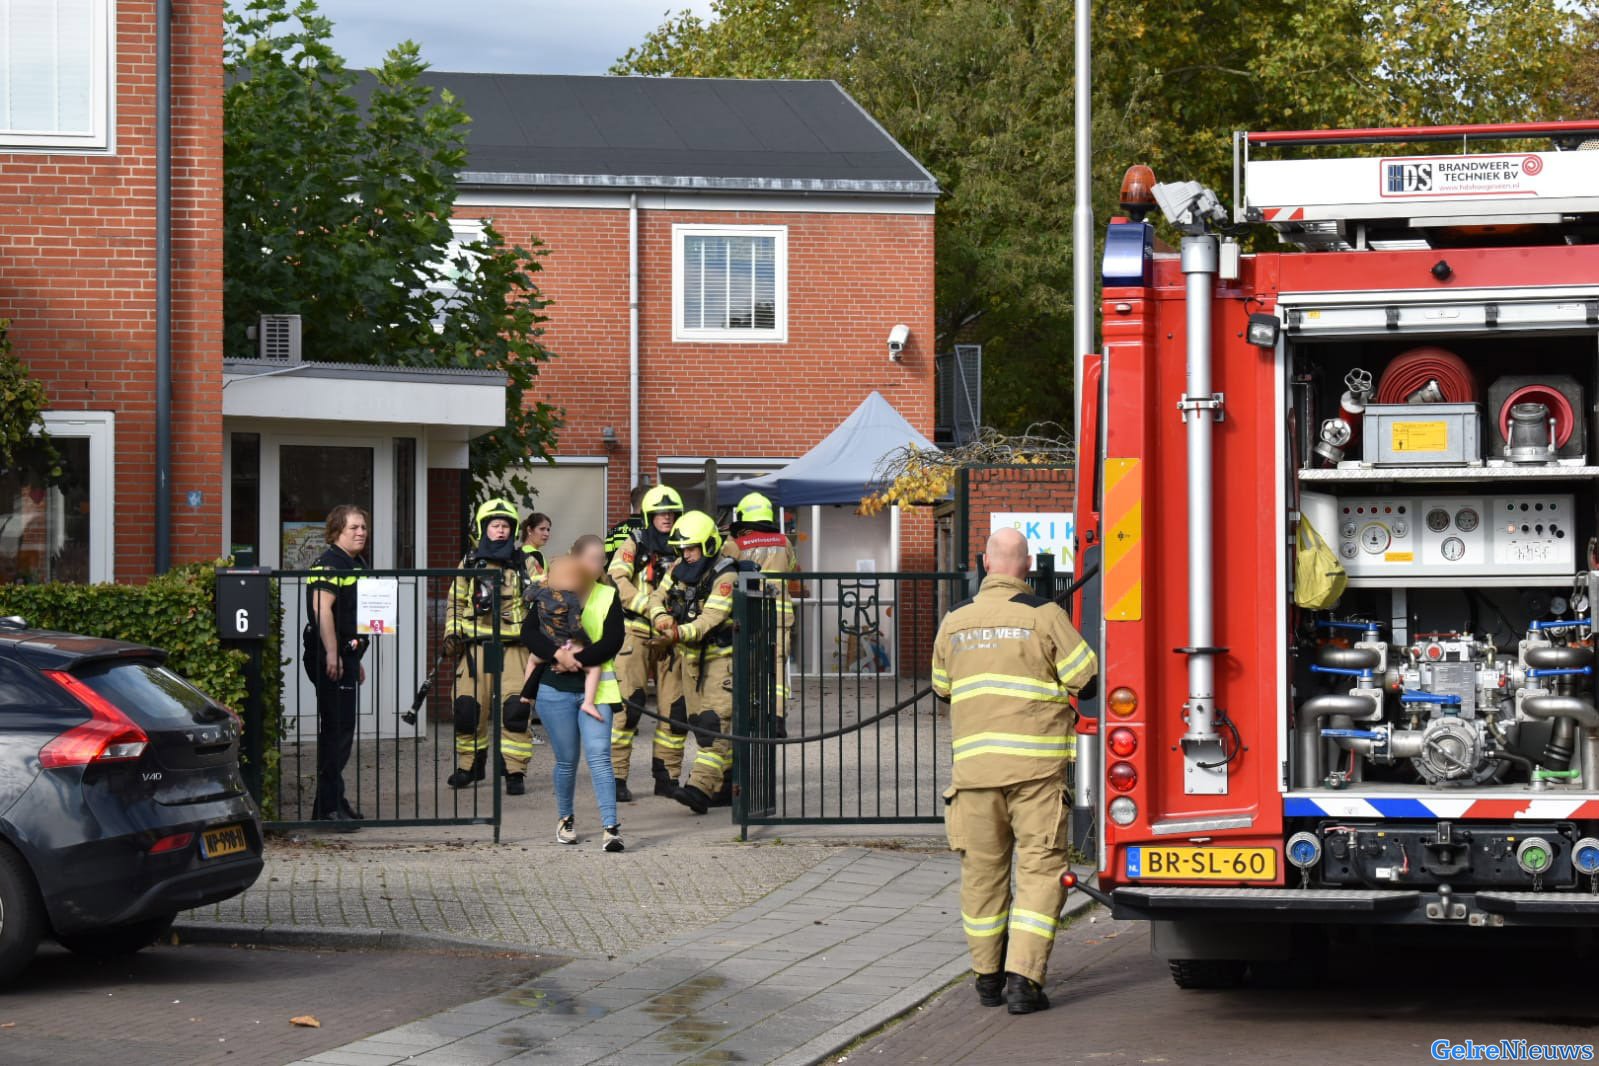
point(1123, 702)
point(108, 735)
point(1123, 742)
point(175, 842)
point(1121, 776)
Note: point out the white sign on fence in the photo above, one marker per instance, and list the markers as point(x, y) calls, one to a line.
point(1046, 531)
point(377, 606)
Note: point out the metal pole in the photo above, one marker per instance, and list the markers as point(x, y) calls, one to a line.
point(632, 343)
point(1083, 214)
point(1200, 411)
point(163, 286)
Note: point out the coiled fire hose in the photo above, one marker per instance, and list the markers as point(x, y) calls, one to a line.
point(1436, 374)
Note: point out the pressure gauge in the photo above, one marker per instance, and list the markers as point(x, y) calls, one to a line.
point(1453, 548)
point(1348, 549)
point(1374, 538)
point(1437, 519)
point(1559, 605)
point(1348, 530)
point(1466, 519)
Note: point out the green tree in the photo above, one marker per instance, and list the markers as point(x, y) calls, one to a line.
point(981, 92)
point(24, 445)
point(340, 213)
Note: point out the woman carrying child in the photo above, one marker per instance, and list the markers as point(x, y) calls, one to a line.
point(573, 631)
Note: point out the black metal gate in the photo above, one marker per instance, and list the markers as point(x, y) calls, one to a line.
point(404, 749)
point(849, 668)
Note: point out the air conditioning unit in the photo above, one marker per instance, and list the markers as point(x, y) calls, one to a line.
point(278, 337)
point(959, 415)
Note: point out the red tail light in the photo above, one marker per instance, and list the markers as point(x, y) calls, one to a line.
point(1121, 776)
point(108, 735)
point(175, 842)
point(1122, 741)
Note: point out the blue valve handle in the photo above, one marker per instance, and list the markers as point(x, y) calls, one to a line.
point(1353, 734)
point(1554, 672)
point(1362, 626)
point(1345, 671)
point(1560, 624)
point(1412, 696)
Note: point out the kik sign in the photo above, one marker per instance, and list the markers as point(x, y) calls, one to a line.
point(1046, 531)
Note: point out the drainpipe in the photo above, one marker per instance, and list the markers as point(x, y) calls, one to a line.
point(163, 286)
point(632, 342)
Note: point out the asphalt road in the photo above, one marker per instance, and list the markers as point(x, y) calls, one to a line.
point(1386, 1003)
point(204, 1004)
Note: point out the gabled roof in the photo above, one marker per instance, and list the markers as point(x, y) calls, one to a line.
point(565, 131)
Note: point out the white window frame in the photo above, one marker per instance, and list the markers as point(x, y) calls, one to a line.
point(99, 427)
point(777, 335)
point(101, 137)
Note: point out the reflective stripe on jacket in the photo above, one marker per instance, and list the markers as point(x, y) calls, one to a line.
point(463, 617)
point(772, 554)
point(594, 612)
point(635, 581)
point(715, 610)
point(1009, 661)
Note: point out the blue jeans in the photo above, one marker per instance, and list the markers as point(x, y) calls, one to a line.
point(569, 728)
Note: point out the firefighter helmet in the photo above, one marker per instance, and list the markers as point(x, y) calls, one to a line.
point(660, 498)
point(489, 510)
point(753, 508)
point(696, 528)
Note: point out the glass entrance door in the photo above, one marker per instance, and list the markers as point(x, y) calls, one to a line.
point(312, 480)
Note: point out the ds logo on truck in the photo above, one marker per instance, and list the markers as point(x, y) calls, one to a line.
point(1409, 177)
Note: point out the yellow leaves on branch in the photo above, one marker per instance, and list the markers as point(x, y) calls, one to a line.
point(912, 475)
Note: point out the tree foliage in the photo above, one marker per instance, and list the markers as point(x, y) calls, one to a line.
point(24, 445)
point(981, 92)
point(340, 213)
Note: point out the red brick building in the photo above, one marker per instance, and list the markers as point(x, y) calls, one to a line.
point(774, 236)
point(78, 205)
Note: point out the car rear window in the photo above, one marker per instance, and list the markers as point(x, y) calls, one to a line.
point(151, 690)
point(22, 689)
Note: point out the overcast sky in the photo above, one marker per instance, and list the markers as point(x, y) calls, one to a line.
point(500, 36)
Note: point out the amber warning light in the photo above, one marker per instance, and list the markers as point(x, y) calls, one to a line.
point(1138, 191)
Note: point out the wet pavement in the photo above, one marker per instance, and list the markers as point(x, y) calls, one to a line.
point(1385, 1003)
point(858, 940)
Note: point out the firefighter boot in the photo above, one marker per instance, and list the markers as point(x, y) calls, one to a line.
point(623, 795)
point(464, 778)
point(1024, 995)
point(515, 784)
point(991, 989)
point(724, 795)
point(665, 783)
point(693, 799)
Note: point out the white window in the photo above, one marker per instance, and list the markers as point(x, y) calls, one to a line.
point(62, 532)
point(456, 264)
point(56, 74)
point(730, 283)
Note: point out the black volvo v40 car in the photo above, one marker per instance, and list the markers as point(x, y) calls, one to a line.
point(121, 800)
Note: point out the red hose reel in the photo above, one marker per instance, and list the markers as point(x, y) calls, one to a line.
point(1552, 398)
point(1413, 371)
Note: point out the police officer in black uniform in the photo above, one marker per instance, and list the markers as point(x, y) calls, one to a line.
point(333, 658)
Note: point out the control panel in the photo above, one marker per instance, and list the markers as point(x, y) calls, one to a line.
point(1447, 536)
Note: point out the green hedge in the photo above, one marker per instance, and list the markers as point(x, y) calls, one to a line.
point(177, 613)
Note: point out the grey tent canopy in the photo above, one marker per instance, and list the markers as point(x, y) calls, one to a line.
point(842, 467)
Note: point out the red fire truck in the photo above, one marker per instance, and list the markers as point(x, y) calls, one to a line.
point(1344, 501)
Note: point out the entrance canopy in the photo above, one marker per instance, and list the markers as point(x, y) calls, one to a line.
point(841, 468)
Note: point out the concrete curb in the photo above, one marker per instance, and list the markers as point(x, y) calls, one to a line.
point(867, 1022)
point(352, 939)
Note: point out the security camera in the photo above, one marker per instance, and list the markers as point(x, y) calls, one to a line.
point(896, 342)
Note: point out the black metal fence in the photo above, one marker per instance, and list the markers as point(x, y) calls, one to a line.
point(844, 658)
point(404, 747)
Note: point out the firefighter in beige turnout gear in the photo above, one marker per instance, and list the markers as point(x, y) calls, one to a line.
point(637, 568)
point(693, 608)
point(1009, 661)
point(469, 625)
point(758, 541)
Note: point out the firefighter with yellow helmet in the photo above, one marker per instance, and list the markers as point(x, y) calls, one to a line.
point(758, 541)
point(470, 626)
point(693, 610)
point(1009, 662)
point(637, 567)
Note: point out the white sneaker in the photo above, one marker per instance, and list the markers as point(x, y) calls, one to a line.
point(565, 831)
point(613, 838)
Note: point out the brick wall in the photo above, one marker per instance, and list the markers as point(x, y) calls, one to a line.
point(851, 278)
point(77, 279)
point(1014, 488)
